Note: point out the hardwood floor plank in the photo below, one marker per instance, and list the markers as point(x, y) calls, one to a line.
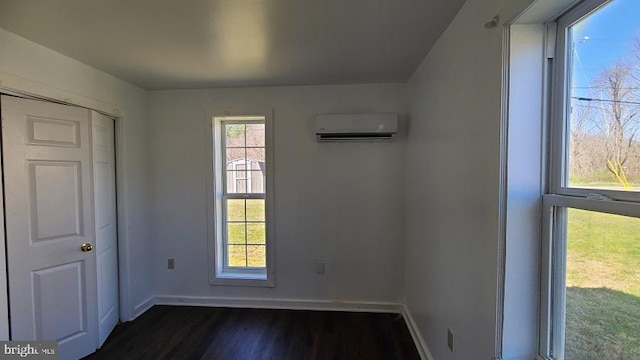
point(188, 332)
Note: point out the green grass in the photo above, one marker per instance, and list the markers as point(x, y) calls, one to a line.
point(236, 210)
point(606, 185)
point(603, 286)
point(603, 178)
point(603, 251)
point(246, 233)
point(602, 324)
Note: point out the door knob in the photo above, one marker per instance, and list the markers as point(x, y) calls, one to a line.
point(86, 247)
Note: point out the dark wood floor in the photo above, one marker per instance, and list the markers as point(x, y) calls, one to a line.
point(186, 332)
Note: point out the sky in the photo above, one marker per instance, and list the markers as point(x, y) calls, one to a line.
point(602, 38)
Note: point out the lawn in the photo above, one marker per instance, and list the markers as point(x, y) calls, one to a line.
point(603, 286)
point(246, 233)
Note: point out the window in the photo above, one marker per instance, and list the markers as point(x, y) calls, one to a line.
point(240, 199)
point(591, 245)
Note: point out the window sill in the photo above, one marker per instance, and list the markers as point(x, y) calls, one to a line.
point(230, 278)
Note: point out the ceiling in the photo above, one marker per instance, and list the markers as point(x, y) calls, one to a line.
point(173, 44)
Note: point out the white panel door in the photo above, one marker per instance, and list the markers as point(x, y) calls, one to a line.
point(49, 216)
point(104, 187)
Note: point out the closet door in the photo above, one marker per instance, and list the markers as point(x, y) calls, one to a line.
point(104, 184)
point(50, 224)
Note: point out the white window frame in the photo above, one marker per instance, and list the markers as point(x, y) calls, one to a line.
point(219, 273)
point(561, 197)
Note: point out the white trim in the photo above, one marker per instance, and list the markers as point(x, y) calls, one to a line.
point(4, 281)
point(143, 307)
point(122, 199)
point(289, 304)
point(545, 319)
point(502, 192)
point(631, 209)
point(214, 196)
point(418, 340)
point(522, 139)
point(19, 86)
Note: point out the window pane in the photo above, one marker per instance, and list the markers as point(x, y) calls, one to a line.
point(237, 255)
point(255, 210)
point(255, 135)
point(237, 182)
point(603, 286)
point(256, 233)
point(236, 233)
point(235, 135)
point(604, 99)
point(255, 182)
point(257, 256)
point(235, 156)
point(235, 210)
point(255, 155)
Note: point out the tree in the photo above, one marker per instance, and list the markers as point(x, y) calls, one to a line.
point(619, 93)
point(240, 135)
point(604, 126)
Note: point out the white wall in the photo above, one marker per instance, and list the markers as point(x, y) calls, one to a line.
point(338, 203)
point(29, 67)
point(453, 184)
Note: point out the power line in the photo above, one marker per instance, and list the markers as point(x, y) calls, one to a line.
point(605, 87)
point(605, 100)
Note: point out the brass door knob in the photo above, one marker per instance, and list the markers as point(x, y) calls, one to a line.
point(86, 247)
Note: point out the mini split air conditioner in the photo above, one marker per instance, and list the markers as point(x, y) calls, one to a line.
point(356, 127)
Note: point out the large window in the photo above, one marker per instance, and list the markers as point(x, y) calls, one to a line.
point(591, 283)
point(240, 199)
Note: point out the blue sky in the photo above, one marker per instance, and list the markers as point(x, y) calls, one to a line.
point(611, 33)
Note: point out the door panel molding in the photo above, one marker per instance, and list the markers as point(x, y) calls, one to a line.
point(47, 209)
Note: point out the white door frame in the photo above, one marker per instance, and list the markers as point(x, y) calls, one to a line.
point(39, 92)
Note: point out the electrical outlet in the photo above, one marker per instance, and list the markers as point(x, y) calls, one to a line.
point(170, 264)
point(450, 339)
point(319, 268)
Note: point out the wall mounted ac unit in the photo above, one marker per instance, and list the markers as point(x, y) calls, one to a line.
point(356, 127)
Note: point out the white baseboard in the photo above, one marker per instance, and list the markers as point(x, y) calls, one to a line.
point(291, 304)
point(143, 306)
point(423, 350)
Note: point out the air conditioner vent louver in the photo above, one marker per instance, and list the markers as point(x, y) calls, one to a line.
point(354, 137)
point(356, 127)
